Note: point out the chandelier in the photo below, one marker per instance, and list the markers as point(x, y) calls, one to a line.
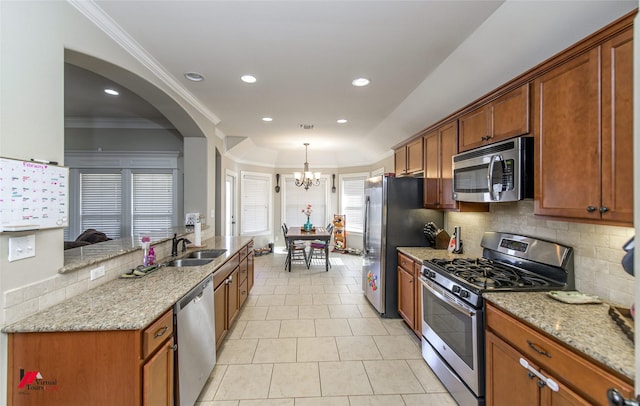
point(307, 178)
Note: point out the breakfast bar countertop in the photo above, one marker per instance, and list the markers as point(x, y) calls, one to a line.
point(127, 304)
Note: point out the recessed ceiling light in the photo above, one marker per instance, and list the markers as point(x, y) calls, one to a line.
point(360, 82)
point(112, 92)
point(194, 76)
point(341, 121)
point(248, 78)
point(267, 119)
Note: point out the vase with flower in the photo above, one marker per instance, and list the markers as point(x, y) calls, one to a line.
point(307, 212)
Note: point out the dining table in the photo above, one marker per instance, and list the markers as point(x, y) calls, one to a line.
point(317, 233)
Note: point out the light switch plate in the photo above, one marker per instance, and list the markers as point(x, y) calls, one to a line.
point(22, 247)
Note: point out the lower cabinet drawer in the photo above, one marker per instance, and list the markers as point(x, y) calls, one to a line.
point(579, 373)
point(154, 335)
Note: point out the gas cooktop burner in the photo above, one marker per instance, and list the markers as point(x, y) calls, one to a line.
point(487, 274)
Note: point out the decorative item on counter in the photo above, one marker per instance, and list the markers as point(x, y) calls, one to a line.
point(190, 219)
point(455, 243)
point(152, 256)
point(624, 320)
point(573, 297)
point(307, 212)
point(146, 240)
point(197, 233)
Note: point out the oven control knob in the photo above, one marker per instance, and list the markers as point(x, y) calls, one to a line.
point(432, 275)
point(456, 289)
point(464, 294)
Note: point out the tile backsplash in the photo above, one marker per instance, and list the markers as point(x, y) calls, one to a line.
point(597, 248)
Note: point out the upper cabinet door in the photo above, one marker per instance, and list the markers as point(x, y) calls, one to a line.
point(583, 124)
point(567, 131)
point(414, 156)
point(617, 128)
point(505, 117)
point(510, 114)
point(401, 160)
point(474, 128)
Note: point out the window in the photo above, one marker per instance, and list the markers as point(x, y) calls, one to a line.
point(101, 203)
point(295, 198)
point(122, 194)
point(352, 201)
point(152, 202)
point(256, 203)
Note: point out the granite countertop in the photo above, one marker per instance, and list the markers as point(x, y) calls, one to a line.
point(127, 304)
point(587, 328)
point(421, 253)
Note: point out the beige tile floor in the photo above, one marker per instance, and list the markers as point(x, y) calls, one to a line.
point(309, 337)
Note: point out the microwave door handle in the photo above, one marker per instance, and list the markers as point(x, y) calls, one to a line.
point(492, 195)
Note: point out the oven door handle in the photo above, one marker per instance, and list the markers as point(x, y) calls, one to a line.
point(439, 295)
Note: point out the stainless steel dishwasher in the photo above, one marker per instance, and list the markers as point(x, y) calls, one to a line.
point(196, 339)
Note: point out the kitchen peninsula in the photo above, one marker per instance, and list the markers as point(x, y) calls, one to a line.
point(114, 342)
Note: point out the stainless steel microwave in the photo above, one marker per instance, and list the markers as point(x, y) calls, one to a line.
point(500, 172)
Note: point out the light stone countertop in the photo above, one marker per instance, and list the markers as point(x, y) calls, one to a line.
point(127, 304)
point(421, 253)
point(587, 328)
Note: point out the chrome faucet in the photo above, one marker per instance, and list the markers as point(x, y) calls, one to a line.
point(175, 242)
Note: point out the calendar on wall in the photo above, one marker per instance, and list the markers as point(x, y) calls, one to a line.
point(33, 195)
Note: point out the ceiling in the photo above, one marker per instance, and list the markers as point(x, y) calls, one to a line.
point(425, 59)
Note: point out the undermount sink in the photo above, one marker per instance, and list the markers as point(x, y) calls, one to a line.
point(207, 253)
point(189, 262)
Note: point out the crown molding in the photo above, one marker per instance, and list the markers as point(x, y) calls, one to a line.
point(115, 122)
point(103, 21)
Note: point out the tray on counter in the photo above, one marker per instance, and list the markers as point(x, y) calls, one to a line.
point(623, 319)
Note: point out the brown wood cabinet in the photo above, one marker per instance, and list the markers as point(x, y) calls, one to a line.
point(409, 298)
point(439, 147)
point(580, 381)
point(233, 282)
point(583, 124)
point(127, 367)
point(408, 158)
point(505, 117)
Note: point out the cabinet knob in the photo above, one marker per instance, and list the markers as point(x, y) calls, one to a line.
point(591, 209)
point(541, 383)
point(604, 209)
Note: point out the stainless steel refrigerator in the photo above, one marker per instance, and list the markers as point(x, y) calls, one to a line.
point(394, 217)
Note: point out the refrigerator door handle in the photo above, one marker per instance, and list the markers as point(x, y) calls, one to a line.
point(367, 202)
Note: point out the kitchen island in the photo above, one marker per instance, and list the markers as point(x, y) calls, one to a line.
point(114, 344)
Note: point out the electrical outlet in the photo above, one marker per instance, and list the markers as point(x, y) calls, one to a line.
point(22, 247)
point(98, 272)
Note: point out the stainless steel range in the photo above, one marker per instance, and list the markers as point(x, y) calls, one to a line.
point(453, 307)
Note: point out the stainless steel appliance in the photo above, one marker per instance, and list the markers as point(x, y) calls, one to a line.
point(394, 217)
point(196, 340)
point(453, 307)
point(500, 172)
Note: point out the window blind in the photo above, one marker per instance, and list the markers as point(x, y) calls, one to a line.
point(296, 199)
point(101, 202)
point(352, 202)
point(256, 205)
point(151, 203)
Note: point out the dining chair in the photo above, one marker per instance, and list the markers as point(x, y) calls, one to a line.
point(317, 247)
point(296, 250)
